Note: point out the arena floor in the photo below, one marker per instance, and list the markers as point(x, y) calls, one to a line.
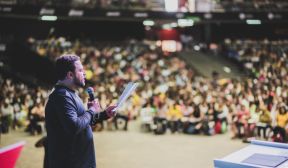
point(133, 149)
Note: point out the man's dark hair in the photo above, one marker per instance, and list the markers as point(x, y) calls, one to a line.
point(64, 64)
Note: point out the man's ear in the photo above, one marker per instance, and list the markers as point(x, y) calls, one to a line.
point(70, 75)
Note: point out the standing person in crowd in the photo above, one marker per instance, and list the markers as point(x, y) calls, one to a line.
point(265, 121)
point(6, 115)
point(69, 134)
point(282, 121)
point(37, 115)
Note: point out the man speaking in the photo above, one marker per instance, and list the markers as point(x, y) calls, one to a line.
point(69, 135)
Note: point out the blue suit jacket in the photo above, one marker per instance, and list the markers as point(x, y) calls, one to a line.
point(69, 135)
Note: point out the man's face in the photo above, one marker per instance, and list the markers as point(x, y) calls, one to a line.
point(79, 75)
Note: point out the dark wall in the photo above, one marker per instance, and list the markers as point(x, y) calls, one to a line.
point(120, 30)
point(24, 61)
point(242, 30)
point(92, 29)
point(220, 31)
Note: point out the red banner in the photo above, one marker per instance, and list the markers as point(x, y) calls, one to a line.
point(10, 154)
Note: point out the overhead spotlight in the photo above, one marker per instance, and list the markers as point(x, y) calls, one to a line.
point(197, 48)
point(253, 22)
point(242, 16)
point(166, 26)
point(270, 16)
point(185, 22)
point(48, 18)
point(173, 24)
point(148, 23)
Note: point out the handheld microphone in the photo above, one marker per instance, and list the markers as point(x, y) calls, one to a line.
point(90, 92)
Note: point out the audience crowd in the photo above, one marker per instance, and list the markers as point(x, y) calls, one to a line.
point(170, 96)
point(265, 63)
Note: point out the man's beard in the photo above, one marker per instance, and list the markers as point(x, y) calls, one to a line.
point(78, 82)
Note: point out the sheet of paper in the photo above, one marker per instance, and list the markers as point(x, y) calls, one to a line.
point(125, 94)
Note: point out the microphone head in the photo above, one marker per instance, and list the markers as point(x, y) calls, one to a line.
point(90, 92)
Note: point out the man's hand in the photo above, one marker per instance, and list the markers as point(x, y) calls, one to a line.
point(94, 106)
point(111, 111)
